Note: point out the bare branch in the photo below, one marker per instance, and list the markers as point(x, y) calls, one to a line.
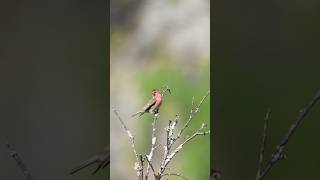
point(153, 142)
point(14, 154)
point(151, 166)
point(278, 154)
point(165, 89)
point(170, 139)
point(138, 164)
point(168, 155)
point(171, 127)
point(141, 162)
point(263, 144)
point(174, 153)
point(176, 174)
point(191, 115)
point(102, 159)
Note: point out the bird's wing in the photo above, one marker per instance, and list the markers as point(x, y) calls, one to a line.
point(145, 108)
point(149, 105)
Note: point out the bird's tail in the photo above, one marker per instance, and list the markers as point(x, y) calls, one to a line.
point(84, 164)
point(140, 113)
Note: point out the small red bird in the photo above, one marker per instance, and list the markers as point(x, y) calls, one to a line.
point(153, 104)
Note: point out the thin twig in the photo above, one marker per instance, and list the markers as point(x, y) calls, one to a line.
point(168, 155)
point(141, 162)
point(151, 166)
point(170, 139)
point(263, 144)
point(172, 126)
point(176, 174)
point(14, 154)
point(191, 115)
point(278, 154)
point(138, 165)
point(153, 142)
point(174, 153)
point(166, 147)
point(102, 159)
point(166, 88)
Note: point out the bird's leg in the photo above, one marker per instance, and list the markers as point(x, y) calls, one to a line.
point(154, 111)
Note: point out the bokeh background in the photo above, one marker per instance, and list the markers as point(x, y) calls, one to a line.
point(157, 43)
point(266, 56)
point(53, 87)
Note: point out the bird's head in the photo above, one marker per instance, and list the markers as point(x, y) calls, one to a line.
point(155, 92)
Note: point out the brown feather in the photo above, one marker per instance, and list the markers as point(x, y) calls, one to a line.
point(146, 108)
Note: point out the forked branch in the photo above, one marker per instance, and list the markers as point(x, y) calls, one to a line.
point(171, 138)
point(138, 164)
point(278, 154)
point(14, 154)
point(263, 144)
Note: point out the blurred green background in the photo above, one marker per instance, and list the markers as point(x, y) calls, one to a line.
point(266, 56)
point(155, 44)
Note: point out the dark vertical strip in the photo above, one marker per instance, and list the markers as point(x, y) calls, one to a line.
point(54, 86)
point(108, 78)
point(212, 89)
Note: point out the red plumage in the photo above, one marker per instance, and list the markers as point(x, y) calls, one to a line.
point(153, 105)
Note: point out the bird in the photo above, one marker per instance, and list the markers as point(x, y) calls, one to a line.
point(102, 159)
point(153, 105)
